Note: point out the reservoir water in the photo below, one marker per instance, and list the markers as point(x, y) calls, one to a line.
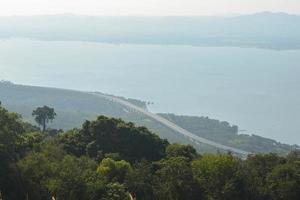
point(256, 89)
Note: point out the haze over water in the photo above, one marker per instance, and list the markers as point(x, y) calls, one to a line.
point(256, 89)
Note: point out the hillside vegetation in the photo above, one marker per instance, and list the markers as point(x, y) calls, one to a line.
point(109, 159)
point(74, 107)
point(227, 134)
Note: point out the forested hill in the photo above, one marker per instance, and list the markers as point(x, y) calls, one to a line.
point(222, 132)
point(109, 159)
point(261, 30)
point(74, 107)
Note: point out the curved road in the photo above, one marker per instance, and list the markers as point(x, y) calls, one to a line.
point(171, 125)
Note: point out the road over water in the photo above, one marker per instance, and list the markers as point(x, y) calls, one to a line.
point(171, 125)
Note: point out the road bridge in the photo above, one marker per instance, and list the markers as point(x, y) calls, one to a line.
point(172, 125)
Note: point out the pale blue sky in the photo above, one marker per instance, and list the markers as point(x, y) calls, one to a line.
point(146, 7)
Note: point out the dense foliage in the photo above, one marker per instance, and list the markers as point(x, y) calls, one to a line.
point(109, 159)
point(224, 133)
point(106, 135)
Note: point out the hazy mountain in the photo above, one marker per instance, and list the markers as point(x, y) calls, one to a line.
point(263, 30)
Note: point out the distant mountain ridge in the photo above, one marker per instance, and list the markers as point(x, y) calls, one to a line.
point(261, 30)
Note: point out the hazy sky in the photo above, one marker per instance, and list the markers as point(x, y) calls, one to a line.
point(146, 7)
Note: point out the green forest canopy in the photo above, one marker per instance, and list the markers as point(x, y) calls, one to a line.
point(109, 159)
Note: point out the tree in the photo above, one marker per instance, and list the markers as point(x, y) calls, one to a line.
point(115, 191)
point(139, 181)
point(70, 178)
point(11, 129)
point(37, 168)
point(110, 135)
point(257, 168)
point(219, 177)
point(284, 182)
point(52, 172)
point(44, 115)
point(114, 171)
point(174, 180)
point(178, 150)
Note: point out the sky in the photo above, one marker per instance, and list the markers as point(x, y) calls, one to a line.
point(146, 7)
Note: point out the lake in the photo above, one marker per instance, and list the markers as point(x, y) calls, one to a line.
point(256, 89)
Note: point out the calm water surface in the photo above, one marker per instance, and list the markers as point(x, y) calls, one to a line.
point(257, 89)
